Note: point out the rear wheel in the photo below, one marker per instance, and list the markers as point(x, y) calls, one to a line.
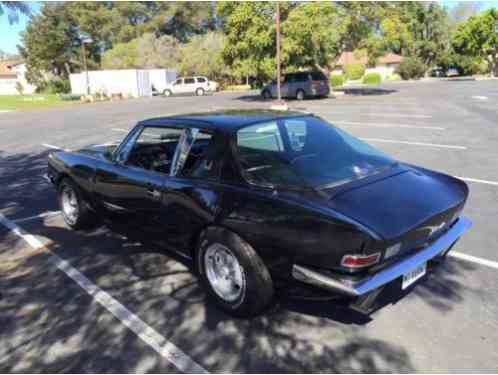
point(300, 95)
point(236, 278)
point(75, 210)
point(199, 91)
point(266, 94)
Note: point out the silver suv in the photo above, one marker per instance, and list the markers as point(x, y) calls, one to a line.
point(299, 85)
point(190, 85)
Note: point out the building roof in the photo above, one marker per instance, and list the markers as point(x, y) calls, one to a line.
point(350, 58)
point(5, 70)
point(227, 121)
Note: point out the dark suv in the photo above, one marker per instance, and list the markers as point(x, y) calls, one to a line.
point(299, 85)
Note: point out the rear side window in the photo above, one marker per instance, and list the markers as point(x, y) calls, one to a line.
point(265, 137)
point(201, 79)
point(318, 76)
point(189, 81)
point(301, 77)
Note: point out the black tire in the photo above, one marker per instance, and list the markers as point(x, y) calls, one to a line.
point(266, 95)
point(167, 92)
point(85, 217)
point(199, 91)
point(257, 291)
point(300, 95)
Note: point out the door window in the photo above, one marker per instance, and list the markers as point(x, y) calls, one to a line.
point(201, 79)
point(189, 81)
point(178, 82)
point(151, 148)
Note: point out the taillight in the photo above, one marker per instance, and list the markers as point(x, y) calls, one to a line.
point(359, 260)
point(316, 83)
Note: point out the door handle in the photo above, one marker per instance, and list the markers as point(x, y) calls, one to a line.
point(156, 194)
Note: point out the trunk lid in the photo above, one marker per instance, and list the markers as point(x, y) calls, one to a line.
point(409, 205)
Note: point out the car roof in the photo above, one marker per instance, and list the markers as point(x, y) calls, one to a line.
point(226, 121)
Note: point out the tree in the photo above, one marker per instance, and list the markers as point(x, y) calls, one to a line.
point(144, 52)
point(312, 35)
point(250, 38)
point(478, 37)
point(50, 43)
point(202, 56)
point(14, 8)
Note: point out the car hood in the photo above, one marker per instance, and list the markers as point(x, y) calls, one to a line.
point(402, 202)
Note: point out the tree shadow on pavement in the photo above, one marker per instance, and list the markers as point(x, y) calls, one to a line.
point(49, 324)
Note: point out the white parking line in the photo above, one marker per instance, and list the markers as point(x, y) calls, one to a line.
point(471, 258)
point(54, 147)
point(40, 216)
point(494, 183)
point(414, 143)
point(479, 97)
point(387, 125)
point(151, 337)
point(120, 130)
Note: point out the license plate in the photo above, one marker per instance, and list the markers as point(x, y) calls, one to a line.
point(411, 276)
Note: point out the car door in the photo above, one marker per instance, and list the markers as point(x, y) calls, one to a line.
point(133, 188)
point(193, 195)
point(177, 86)
point(189, 85)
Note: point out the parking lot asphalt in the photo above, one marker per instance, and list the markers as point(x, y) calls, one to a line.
point(52, 323)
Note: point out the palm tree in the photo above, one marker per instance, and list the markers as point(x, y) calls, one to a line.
point(14, 8)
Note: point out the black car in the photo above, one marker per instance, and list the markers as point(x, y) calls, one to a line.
point(255, 197)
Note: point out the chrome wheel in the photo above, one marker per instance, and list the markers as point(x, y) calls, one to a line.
point(69, 203)
point(224, 272)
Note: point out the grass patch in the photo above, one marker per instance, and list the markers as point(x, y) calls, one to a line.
point(28, 102)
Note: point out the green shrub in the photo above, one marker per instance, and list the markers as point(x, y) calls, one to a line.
point(58, 85)
point(70, 97)
point(372, 78)
point(411, 68)
point(237, 87)
point(336, 80)
point(354, 71)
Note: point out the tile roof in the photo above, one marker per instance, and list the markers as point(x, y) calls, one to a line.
point(350, 58)
point(5, 70)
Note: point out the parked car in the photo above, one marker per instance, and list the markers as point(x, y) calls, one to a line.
point(258, 196)
point(438, 72)
point(190, 85)
point(452, 72)
point(299, 85)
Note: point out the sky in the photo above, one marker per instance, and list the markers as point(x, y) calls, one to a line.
point(9, 33)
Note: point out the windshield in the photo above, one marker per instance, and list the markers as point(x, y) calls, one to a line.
point(305, 152)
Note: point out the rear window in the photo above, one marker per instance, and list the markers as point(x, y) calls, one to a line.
point(189, 81)
point(201, 79)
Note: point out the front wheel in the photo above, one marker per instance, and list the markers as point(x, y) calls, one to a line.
point(75, 210)
point(199, 91)
point(167, 92)
point(266, 95)
point(236, 278)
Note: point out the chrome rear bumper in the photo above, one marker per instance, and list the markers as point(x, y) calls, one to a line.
point(377, 280)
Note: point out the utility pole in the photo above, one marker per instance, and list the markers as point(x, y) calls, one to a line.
point(279, 93)
point(83, 54)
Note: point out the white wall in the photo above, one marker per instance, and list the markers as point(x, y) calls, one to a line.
point(133, 82)
point(385, 70)
point(161, 77)
point(8, 85)
point(21, 77)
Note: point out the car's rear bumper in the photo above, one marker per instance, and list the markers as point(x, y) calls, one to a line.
point(356, 288)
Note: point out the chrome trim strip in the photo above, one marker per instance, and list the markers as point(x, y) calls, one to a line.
point(387, 275)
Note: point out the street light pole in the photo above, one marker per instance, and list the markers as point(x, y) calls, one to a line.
point(279, 94)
